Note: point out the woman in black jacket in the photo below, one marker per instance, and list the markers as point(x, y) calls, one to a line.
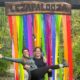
point(40, 61)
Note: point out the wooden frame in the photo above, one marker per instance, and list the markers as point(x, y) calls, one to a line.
point(29, 7)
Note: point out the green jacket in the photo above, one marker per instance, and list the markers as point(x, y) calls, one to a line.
point(29, 61)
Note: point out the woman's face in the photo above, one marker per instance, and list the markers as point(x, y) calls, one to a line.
point(26, 53)
point(37, 53)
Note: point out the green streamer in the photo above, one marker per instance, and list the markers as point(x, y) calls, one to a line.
point(20, 43)
point(58, 27)
point(43, 40)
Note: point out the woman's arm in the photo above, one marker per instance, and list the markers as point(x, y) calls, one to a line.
point(11, 59)
point(45, 63)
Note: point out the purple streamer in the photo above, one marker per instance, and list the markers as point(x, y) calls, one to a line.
point(30, 37)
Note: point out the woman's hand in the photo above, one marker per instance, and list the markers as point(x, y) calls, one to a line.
point(1, 56)
point(26, 67)
point(44, 59)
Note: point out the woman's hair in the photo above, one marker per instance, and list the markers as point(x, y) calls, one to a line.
point(25, 49)
point(37, 48)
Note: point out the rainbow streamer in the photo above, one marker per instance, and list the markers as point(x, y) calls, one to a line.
point(48, 38)
point(20, 43)
point(58, 22)
point(42, 30)
point(30, 34)
point(68, 21)
point(42, 35)
point(15, 37)
point(65, 45)
point(10, 24)
point(34, 30)
point(25, 30)
point(38, 31)
point(53, 28)
point(43, 45)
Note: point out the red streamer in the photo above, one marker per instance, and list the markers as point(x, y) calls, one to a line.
point(68, 19)
point(10, 24)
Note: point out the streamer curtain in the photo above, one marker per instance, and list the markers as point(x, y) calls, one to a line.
point(42, 30)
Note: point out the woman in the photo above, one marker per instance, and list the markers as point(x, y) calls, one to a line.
point(30, 66)
point(40, 61)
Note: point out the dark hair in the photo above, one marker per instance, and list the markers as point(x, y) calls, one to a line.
point(25, 49)
point(37, 48)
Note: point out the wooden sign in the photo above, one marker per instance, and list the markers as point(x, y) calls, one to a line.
point(31, 7)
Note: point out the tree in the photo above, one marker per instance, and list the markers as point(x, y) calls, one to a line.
point(5, 42)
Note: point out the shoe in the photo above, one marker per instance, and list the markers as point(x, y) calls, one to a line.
point(65, 64)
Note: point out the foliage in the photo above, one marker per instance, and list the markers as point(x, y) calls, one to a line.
point(76, 42)
point(5, 43)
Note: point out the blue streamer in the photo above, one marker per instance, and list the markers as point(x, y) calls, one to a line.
point(25, 31)
point(44, 17)
point(53, 42)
